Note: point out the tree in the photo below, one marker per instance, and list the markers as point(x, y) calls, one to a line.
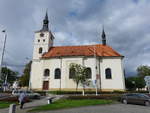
point(9, 74)
point(80, 75)
point(24, 79)
point(143, 71)
point(140, 83)
point(130, 83)
point(76, 69)
point(133, 83)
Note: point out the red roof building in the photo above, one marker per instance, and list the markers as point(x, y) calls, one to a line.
point(87, 50)
point(51, 70)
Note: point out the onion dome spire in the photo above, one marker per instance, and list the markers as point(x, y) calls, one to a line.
point(45, 23)
point(103, 37)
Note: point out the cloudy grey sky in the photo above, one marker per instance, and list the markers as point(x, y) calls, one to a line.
point(78, 22)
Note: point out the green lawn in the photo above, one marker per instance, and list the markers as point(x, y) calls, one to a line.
point(60, 104)
point(4, 104)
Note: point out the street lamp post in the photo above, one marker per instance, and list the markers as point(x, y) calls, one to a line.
point(3, 51)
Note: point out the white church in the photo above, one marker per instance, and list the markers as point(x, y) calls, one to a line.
point(50, 68)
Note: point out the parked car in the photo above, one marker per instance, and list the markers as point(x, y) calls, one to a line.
point(135, 98)
point(29, 94)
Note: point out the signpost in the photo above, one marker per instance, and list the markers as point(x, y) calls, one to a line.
point(147, 80)
point(95, 85)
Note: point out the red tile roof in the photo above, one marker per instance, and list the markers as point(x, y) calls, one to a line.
point(87, 50)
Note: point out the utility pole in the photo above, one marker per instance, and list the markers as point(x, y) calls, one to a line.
point(3, 51)
point(94, 47)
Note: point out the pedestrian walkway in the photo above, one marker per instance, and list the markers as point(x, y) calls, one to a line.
point(31, 105)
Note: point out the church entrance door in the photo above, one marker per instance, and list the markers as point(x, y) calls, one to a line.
point(45, 85)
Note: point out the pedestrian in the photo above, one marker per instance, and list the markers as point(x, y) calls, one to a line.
point(22, 97)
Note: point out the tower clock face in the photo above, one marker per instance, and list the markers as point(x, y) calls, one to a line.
point(41, 34)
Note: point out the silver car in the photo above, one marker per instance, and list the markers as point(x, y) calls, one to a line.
point(29, 94)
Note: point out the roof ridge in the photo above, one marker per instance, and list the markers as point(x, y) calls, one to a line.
point(77, 45)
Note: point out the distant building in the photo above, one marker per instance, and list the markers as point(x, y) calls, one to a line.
point(50, 65)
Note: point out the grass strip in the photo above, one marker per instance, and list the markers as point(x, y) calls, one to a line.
point(4, 104)
point(67, 103)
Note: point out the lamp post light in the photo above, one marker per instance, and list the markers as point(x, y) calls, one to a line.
point(3, 51)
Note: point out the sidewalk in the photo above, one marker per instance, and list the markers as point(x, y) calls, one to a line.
point(30, 105)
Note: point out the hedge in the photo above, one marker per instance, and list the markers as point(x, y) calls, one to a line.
point(101, 96)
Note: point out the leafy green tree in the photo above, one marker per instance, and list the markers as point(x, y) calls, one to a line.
point(139, 82)
point(135, 82)
point(77, 69)
point(80, 75)
point(130, 83)
point(24, 79)
point(9, 74)
point(143, 71)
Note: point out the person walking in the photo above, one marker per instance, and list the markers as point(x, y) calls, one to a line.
point(22, 99)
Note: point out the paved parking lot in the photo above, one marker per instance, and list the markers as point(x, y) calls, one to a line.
point(114, 108)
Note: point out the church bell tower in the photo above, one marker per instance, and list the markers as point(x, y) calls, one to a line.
point(43, 40)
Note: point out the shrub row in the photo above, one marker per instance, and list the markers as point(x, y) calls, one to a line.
point(13, 99)
point(102, 96)
point(10, 99)
point(93, 92)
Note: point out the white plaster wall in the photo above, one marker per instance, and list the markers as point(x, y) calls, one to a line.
point(63, 64)
point(91, 63)
point(66, 82)
point(36, 72)
point(51, 64)
point(117, 81)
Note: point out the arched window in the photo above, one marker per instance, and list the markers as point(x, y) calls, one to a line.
point(71, 73)
point(88, 73)
point(46, 72)
point(57, 73)
point(108, 73)
point(40, 50)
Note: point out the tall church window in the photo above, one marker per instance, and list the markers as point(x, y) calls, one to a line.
point(88, 73)
point(57, 73)
point(46, 72)
point(108, 73)
point(71, 73)
point(40, 50)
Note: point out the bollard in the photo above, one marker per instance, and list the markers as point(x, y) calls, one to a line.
point(49, 101)
point(12, 108)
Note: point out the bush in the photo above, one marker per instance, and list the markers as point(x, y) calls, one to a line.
point(65, 92)
point(13, 99)
point(10, 99)
point(9, 92)
point(93, 92)
point(102, 96)
point(86, 92)
point(119, 92)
